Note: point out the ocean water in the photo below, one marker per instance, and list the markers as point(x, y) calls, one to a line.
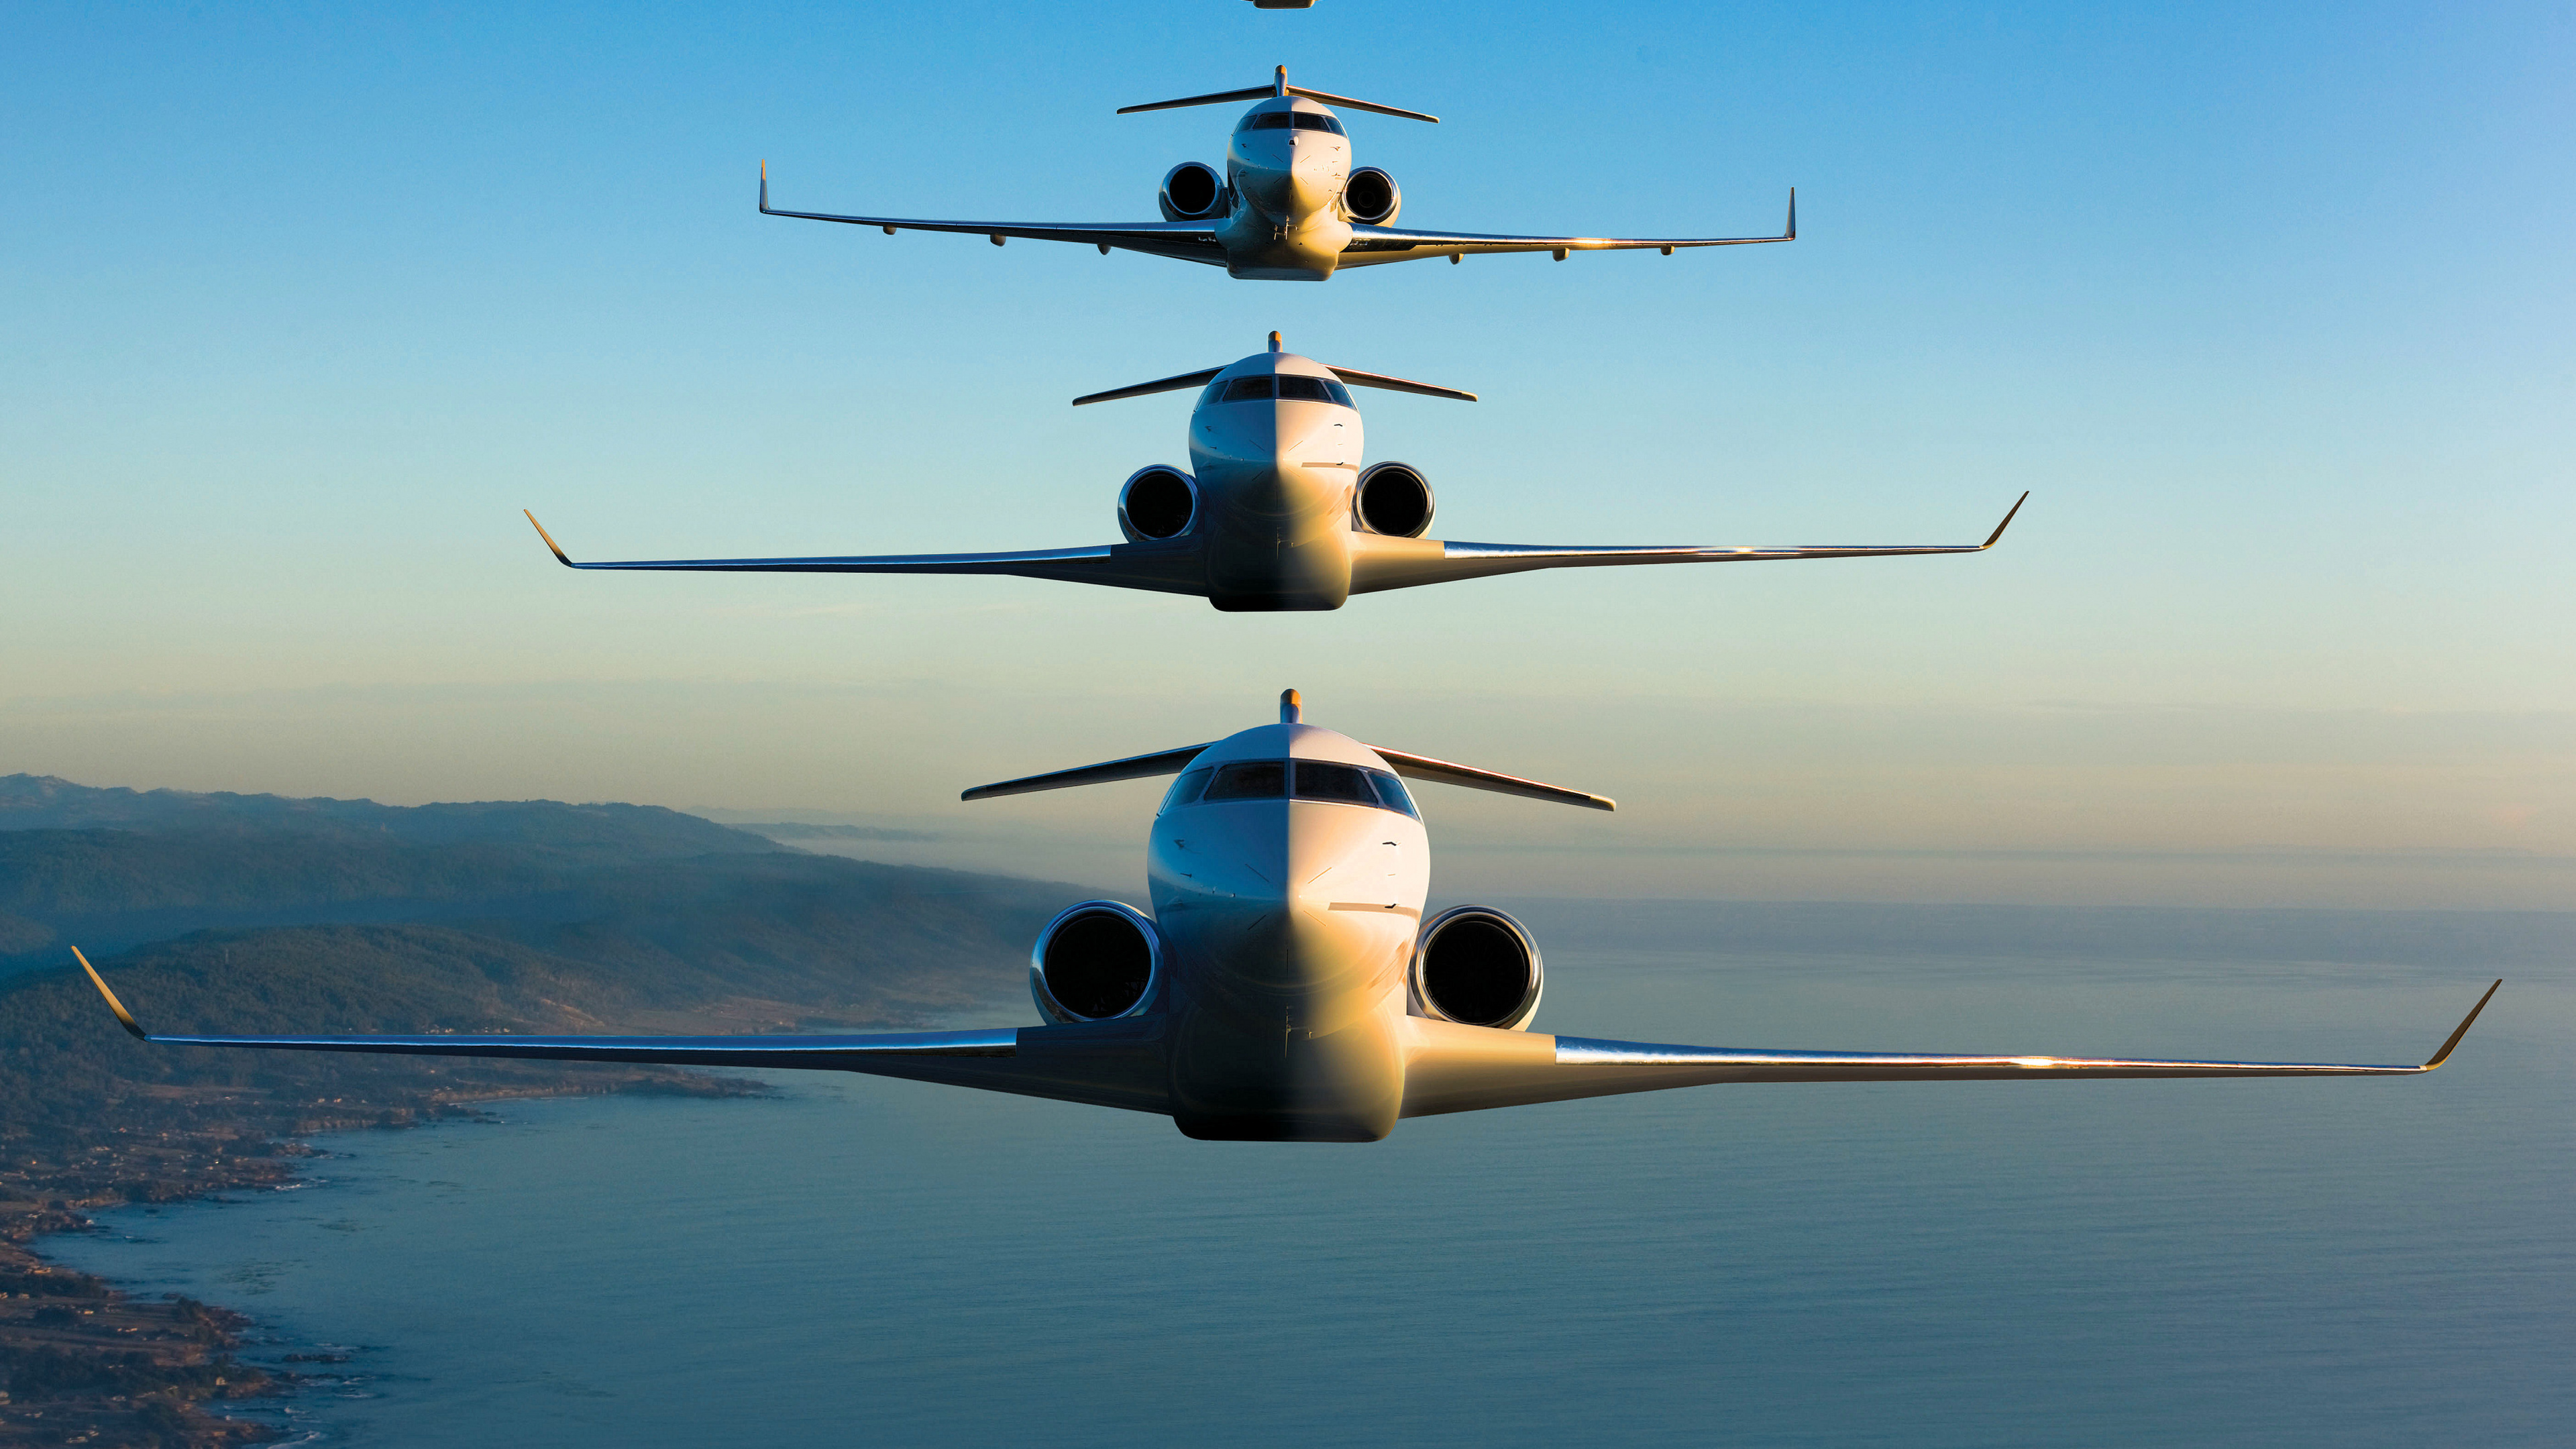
point(2354, 1262)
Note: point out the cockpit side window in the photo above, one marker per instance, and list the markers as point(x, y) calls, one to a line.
point(1248, 389)
point(1186, 789)
point(1269, 121)
point(1248, 780)
point(1310, 121)
point(1391, 793)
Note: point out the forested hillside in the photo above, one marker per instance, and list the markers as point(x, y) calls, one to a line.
point(257, 914)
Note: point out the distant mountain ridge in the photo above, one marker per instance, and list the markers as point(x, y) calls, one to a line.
point(117, 867)
point(608, 831)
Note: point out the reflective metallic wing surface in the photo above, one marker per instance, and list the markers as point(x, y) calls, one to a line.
point(1163, 567)
point(1189, 241)
point(1373, 245)
point(1466, 1069)
point(1091, 1062)
point(1404, 563)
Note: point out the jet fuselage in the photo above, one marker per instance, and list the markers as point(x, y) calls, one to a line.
point(1275, 479)
point(1285, 167)
point(1288, 923)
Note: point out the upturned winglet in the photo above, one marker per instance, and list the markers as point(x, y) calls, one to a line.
point(1991, 539)
point(566, 561)
point(126, 1018)
point(2439, 1057)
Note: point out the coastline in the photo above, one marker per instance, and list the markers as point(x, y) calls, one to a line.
point(85, 1360)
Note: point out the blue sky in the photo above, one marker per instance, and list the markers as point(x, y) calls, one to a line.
point(2270, 309)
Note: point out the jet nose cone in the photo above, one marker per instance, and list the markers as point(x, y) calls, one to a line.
point(1268, 187)
point(1315, 177)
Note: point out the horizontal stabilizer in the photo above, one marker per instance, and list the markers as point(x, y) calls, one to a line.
point(1134, 767)
point(1278, 87)
point(1357, 378)
point(1442, 772)
point(1200, 378)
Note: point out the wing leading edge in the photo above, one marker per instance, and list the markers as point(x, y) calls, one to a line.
point(1160, 567)
point(1105, 1064)
point(1382, 563)
point(1189, 241)
point(1373, 245)
point(1470, 1068)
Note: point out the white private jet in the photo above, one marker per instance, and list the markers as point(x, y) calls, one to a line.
point(1286, 987)
point(1277, 510)
point(1289, 207)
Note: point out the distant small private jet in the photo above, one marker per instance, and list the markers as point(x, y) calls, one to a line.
point(1278, 510)
point(1286, 987)
point(1288, 208)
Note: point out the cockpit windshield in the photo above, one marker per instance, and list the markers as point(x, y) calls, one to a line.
point(1294, 387)
point(1287, 386)
point(1324, 780)
point(1249, 780)
point(1294, 120)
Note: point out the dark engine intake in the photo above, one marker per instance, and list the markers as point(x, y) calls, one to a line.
point(1096, 960)
point(1478, 967)
point(1393, 499)
point(1371, 197)
point(1192, 191)
point(1156, 503)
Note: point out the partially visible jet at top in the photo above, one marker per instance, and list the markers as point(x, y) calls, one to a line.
point(1288, 208)
point(1277, 511)
point(1286, 987)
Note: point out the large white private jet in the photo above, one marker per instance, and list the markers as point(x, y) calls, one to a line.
point(1277, 510)
point(1285, 987)
point(1288, 207)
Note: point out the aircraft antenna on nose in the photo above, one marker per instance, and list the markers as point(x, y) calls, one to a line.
point(1274, 342)
point(1291, 709)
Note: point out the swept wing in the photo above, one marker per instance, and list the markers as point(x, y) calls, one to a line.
point(1105, 1063)
point(1371, 245)
point(1171, 568)
point(1381, 563)
point(1190, 241)
point(1470, 1068)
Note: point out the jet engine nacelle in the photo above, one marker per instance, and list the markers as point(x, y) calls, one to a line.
point(1478, 967)
point(1157, 503)
point(1192, 191)
point(1371, 197)
point(1393, 499)
point(1094, 961)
